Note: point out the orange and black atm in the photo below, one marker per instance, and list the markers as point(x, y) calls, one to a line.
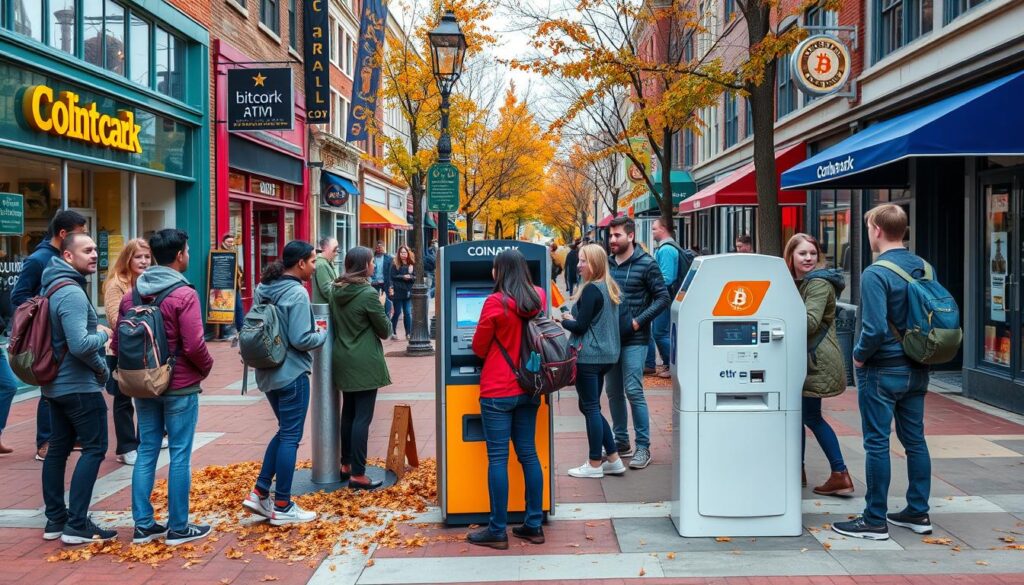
point(463, 284)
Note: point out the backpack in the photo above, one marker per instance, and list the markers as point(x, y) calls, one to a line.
point(30, 352)
point(547, 359)
point(685, 259)
point(932, 333)
point(144, 359)
point(262, 340)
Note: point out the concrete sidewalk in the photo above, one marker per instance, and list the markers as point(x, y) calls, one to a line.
point(616, 528)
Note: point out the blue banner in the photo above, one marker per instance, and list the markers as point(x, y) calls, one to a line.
point(367, 81)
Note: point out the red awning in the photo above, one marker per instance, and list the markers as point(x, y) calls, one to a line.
point(608, 219)
point(740, 188)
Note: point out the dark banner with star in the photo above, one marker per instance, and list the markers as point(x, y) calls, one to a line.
point(367, 82)
point(316, 54)
point(260, 99)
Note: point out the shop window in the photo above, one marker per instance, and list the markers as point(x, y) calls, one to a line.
point(898, 22)
point(170, 64)
point(834, 230)
point(139, 35)
point(236, 182)
point(293, 26)
point(28, 18)
point(998, 234)
point(270, 16)
point(289, 226)
point(732, 120)
point(289, 192)
point(954, 8)
point(62, 25)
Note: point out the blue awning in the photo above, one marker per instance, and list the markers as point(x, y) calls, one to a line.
point(983, 121)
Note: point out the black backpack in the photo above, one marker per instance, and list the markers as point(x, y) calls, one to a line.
point(685, 260)
point(144, 360)
point(547, 361)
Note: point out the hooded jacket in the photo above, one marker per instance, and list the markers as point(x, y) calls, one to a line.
point(292, 302)
point(30, 278)
point(359, 324)
point(501, 321)
point(324, 276)
point(184, 324)
point(73, 329)
point(644, 294)
point(826, 372)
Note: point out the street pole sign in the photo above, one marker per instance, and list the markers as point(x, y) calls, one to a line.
point(443, 188)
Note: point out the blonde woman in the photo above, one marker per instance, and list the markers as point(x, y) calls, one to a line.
point(134, 259)
point(594, 325)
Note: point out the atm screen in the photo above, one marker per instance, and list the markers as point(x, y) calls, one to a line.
point(735, 333)
point(468, 303)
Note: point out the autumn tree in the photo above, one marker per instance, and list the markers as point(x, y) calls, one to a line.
point(568, 198)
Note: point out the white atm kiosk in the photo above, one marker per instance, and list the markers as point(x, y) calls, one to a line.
point(739, 359)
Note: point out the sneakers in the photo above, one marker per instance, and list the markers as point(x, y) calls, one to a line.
point(41, 452)
point(616, 467)
point(858, 528)
point(91, 533)
point(53, 530)
point(144, 535)
point(483, 537)
point(650, 371)
point(623, 449)
point(533, 535)
point(587, 470)
point(257, 505)
point(293, 514)
point(163, 442)
point(128, 458)
point(191, 532)
point(641, 459)
point(919, 524)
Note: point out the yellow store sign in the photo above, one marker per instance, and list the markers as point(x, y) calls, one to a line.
point(66, 117)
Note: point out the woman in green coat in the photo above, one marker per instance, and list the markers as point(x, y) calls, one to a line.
point(826, 375)
point(357, 360)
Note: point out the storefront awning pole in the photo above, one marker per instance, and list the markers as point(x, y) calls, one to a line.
point(133, 205)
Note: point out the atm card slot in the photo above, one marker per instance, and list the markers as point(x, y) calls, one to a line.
point(472, 428)
point(740, 402)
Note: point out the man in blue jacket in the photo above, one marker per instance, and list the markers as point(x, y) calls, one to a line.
point(666, 253)
point(29, 284)
point(889, 385)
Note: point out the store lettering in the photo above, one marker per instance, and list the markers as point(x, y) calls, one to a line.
point(836, 168)
point(67, 118)
point(489, 250)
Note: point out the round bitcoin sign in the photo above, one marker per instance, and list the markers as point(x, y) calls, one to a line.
point(821, 64)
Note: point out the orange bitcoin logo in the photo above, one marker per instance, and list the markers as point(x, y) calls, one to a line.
point(824, 64)
point(741, 298)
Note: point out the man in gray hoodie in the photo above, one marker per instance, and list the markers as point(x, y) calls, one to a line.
point(287, 386)
point(75, 396)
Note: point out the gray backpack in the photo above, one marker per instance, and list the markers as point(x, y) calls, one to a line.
point(262, 341)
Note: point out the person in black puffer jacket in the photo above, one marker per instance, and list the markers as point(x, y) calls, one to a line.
point(644, 295)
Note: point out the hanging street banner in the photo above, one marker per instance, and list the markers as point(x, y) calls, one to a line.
point(316, 56)
point(443, 188)
point(260, 99)
point(368, 62)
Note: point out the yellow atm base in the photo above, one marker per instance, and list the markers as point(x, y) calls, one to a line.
point(462, 461)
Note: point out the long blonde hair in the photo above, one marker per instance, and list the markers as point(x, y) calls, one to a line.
point(597, 261)
point(121, 268)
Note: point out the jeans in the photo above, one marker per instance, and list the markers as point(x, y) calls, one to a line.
point(403, 308)
point(356, 415)
point(239, 312)
point(823, 432)
point(504, 419)
point(432, 278)
point(589, 380)
point(43, 423)
point(884, 394)
point(81, 415)
point(8, 388)
point(660, 332)
point(178, 415)
point(625, 381)
point(124, 414)
point(290, 405)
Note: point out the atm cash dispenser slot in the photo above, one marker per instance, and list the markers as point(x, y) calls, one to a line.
point(740, 401)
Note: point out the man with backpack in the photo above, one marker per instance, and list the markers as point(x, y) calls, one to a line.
point(177, 408)
point(644, 295)
point(674, 263)
point(891, 383)
point(29, 284)
point(75, 393)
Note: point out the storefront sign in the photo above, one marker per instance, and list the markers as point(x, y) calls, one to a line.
point(221, 284)
point(443, 188)
point(336, 190)
point(12, 214)
point(368, 62)
point(317, 50)
point(103, 249)
point(260, 99)
point(65, 117)
point(821, 65)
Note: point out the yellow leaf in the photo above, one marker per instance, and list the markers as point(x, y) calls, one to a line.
point(268, 578)
point(939, 540)
point(671, 555)
point(723, 539)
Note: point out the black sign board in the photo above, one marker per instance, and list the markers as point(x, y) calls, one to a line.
point(260, 99)
point(221, 286)
point(317, 50)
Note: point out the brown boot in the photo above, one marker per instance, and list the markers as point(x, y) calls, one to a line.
point(803, 476)
point(5, 450)
point(838, 484)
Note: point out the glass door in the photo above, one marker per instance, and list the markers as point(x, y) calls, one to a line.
point(1000, 274)
point(268, 237)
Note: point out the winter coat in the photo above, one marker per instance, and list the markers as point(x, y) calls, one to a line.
point(644, 295)
point(500, 322)
point(323, 278)
point(400, 284)
point(826, 373)
point(292, 301)
point(113, 292)
point(183, 322)
point(359, 324)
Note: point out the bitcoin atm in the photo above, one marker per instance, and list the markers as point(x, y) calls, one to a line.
point(739, 358)
point(464, 282)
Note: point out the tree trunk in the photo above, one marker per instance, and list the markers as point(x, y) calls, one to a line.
point(665, 201)
point(762, 103)
point(469, 226)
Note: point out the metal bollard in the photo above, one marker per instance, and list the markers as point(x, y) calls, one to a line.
point(325, 406)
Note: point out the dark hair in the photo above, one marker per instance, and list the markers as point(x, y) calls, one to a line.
point(625, 222)
point(70, 240)
point(294, 252)
point(745, 239)
point(66, 220)
point(356, 261)
point(512, 279)
point(226, 236)
point(166, 244)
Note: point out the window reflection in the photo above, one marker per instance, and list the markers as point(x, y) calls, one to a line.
point(62, 25)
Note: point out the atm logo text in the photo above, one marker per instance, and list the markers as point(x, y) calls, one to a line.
point(488, 250)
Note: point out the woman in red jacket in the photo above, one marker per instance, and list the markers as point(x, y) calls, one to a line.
point(508, 413)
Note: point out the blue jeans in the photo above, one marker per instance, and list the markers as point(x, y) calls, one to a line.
point(515, 419)
point(660, 327)
point(8, 388)
point(290, 405)
point(404, 308)
point(82, 416)
point(239, 312)
point(884, 394)
point(589, 380)
point(178, 415)
point(43, 422)
point(823, 432)
point(625, 381)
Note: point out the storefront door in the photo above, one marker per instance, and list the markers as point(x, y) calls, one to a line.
point(268, 234)
point(1001, 272)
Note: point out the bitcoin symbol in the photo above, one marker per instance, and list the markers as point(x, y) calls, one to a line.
point(740, 299)
point(824, 64)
